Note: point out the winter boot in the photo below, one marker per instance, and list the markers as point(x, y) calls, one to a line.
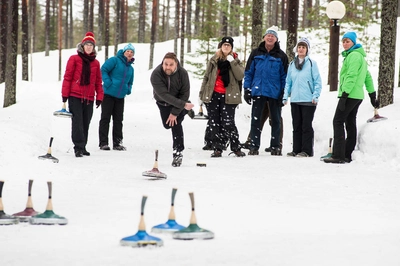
point(276, 151)
point(177, 159)
point(238, 153)
point(216, 154)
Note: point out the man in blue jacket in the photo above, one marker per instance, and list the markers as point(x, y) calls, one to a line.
point(264, 81)
point(117, 73)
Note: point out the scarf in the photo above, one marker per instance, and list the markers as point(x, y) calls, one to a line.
point(297, 63)
point(224, 67)
point(85, 75)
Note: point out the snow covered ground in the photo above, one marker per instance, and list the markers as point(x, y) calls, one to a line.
point(264, 210)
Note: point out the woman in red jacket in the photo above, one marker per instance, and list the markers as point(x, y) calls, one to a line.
point(82, 85)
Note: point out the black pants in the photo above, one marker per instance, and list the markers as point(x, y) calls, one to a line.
point(222, 123)
point(177, 130)
point(256, 126)
point(264, 118)
point(208, 133)
point(344, 146)
point(114, 107)
point(303, 132)
point(82, 112)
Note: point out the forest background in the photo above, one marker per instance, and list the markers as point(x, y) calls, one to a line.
point(43, 25)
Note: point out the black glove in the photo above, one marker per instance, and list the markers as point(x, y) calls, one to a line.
point(98, 103)
point(374, 101)
point(247, 96)
point(342, 101)
point(64, 99)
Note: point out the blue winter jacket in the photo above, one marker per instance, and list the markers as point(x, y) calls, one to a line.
point(117, 75)
point(265, 72)
point(303, 86)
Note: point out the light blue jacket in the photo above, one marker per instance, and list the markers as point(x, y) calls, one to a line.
point(117, 75)
point(303, 86)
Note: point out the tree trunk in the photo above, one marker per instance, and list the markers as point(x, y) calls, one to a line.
point(86, 16)
point(47, 29)
point(183, 17)
point(224, 17)
point(153, 36)
point(176, 24)
point(66, 26)
point(142, 21)
point(197, 19)
point(116, 26)
point(107, 28)
point(189, 26)
point(10, 91)
point(100, 30)
point(293, 20)
point(3, 39)
point(71, 27)
point(91, 15)
point(387, 50)
point(60, 3)
point(258, 6)
point(24, 40)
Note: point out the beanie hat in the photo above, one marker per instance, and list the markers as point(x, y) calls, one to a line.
point(350, 35)
point(227, 39)
point(272, 30)
point(305, 42)
point(89, 37)
point(129, 46)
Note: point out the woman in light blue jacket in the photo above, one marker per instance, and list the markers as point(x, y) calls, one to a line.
point(303, 86)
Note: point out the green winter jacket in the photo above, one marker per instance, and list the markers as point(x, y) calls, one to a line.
point(354, 73)
point(233, 90)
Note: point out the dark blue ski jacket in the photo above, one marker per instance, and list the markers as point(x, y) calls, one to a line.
point(265, 73)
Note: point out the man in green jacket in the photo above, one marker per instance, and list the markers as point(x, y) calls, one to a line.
point(353, 75)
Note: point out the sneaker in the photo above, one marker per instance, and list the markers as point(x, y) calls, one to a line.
point(207, 147)
point(119, 148)
point(78, 153)
point(302, 154)
point(86, 153)
point(276, 151)
point(291, 154)
point(253, 152)
point(334, 160)
point(216, 154)
point(238, 153)
point(177, 160)
point(104, 147)
point(268, 149)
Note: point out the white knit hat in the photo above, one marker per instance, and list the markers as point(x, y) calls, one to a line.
point(305, 41)
point(272, 30)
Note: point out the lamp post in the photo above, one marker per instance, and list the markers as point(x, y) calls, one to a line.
point(335, 10)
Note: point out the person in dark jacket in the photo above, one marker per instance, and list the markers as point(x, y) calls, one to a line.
point(118, 74)
point(264, 81)
point(81, 86)
point(221, 93)
point(354, 74)
point(171, 89)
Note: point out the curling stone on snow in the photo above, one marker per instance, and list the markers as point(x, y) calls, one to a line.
point(5, 219)
point(171, 225)
point(141, 238)
point(29, 211)
point(193, 231)
point(48, 217)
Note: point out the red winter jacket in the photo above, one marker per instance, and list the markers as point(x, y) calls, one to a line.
point(71, 83)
